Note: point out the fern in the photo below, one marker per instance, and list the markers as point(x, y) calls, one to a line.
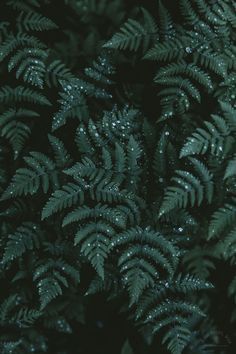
point(32, 21)
point(6, 306)
point(150, 307)
point(51, 278)
point(116, 126)
point(26, 6)
point(125, 164)
point(94, 243)
point(99, 197)
point(57, 72)
point(69, 195)
point(72, 104)
point(14, 130)
point(61, 156)
point(26, 317)
point(189, 189)
point(133, 34)
point(146, 255)
point(21, 39)
point(21, 93)
point(166, 22)
point(222, 218)
point(199, 262)
point(216, 139)
point(40, 172)
point(231, 168)
point(115, 216)
point(28, 236)
point(31, 64)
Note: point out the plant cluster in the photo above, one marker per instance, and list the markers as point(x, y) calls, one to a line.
point(118, 173)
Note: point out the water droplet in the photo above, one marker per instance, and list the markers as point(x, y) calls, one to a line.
point(188, 50)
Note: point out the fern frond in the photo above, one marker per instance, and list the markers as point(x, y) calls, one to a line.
point(40, 172)
point(31, 64)
point(212, 17)
point(229, 114)
point(206, 177)
point(26, 317)
point(21, 39)
point(199, 262)
point(145, 256)
point(14, 130)
point(51, 278)
point(231, 168)
point(214, 138)
point(61, 155)
point(26, 6)
point(110, 284)
point(6, 307)
point(116, 127)
point(57, 72)
point(171, 308)
point(132, 36)
point(124, 168)
point(229, 14)
point(114, 216)
point(69, 195)
point(33, 21)
point(22, 94)
point(188, 190)
point(169, 50)
point(28, 236)
point(73, 104)
point(190, 70)
point(223, 218)
point(212, 61)
point(226, 246)
point(177, 338)
point(94, 240)
point(188, 12)
point(165, 22)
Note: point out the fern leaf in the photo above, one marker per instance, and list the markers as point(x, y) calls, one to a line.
point(169, 50)
point(26, 317)
point(166, 23)
point(130, 36)
point(28, 236)
point(32, 21)
point(231, 168)
point(94, 240)
point(213, 138)
point(41, 172)
point(31, 64)
point(14, 130)
point(73, 104)
point(177, 338)
point(56, 72)
point(221, 219)
point(145, 254)
point(62, 157)
point(115, 215)
point(205, 176)
point(51, 278)
point(22, 94)
point(21, 39)
point(189, 190)
point(69, 195)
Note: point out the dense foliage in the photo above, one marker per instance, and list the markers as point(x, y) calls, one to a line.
point(118, 176)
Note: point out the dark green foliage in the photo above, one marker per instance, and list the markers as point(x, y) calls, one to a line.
point(117, 176)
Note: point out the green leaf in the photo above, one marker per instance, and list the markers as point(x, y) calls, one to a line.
point(126, 348)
